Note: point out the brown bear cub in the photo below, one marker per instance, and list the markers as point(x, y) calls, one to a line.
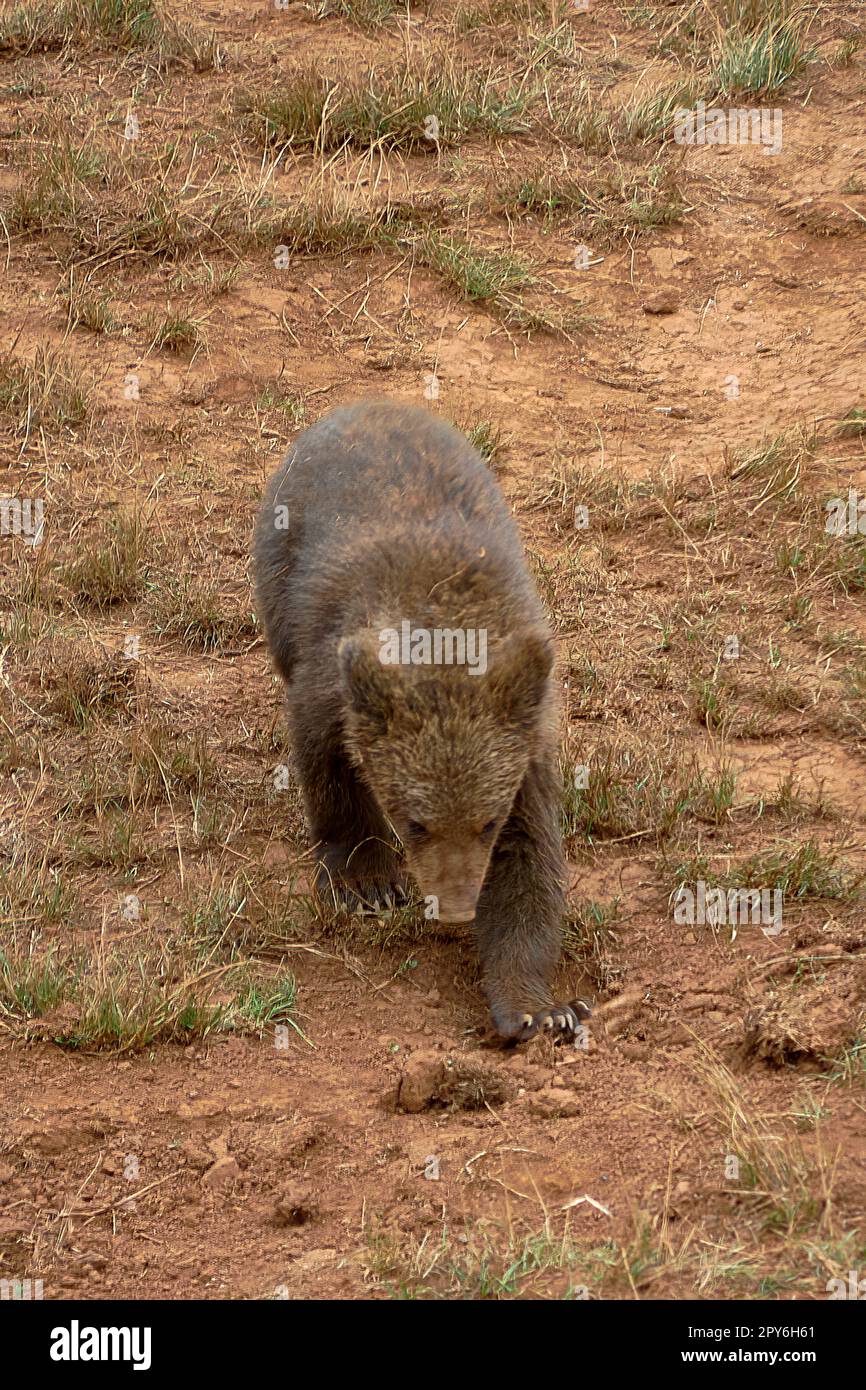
point(419, 671)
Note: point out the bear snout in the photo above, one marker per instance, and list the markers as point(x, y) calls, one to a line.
point(452, 917)
point(453, 875)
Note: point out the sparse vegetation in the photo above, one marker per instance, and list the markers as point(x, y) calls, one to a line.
point(481, 208)
point(192, 611)
point(135, 25)
point(404, 109)
point(615, 206)
point(799, 872)
point(854, 423)
point(46, 393)
point(109, 568)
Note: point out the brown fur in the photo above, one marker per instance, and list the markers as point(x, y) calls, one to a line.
point(382, 513)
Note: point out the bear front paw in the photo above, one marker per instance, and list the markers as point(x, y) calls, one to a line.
point(561, 1022)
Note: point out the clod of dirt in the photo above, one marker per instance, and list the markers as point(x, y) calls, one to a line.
point(431, 1079)
point(294, 1209)
point(780, 1037)
point(828, 215)
point(225, 1170)
point(554, 1103)
point(620, 1014)
point(54, 1023)
point(59, 1140)
point(13, 1229)
point(196, 1158)
point(312, 1260)
point(531, 1078)
point(664, 302)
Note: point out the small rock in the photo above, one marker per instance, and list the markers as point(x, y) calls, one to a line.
point(225, 1170)
point(195, 1157)
point(431, 1078)
point(93, 1259)
point(552, 1104)
point(421, 1079)
point(663, 302)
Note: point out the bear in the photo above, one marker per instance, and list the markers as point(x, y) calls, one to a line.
point(419, 672)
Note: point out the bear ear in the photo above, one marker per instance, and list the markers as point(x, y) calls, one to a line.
point(520, 676)
point(367, 682)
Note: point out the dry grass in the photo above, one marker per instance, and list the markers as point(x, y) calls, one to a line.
point(412, 108)
point(151, 862)
point(138, 26)
point(42, 393)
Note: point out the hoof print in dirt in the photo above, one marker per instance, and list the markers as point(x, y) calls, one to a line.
point(433, 1080)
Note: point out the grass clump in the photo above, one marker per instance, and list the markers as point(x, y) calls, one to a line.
point(192, 611)
point(177, 332)
point(111, 568)
point(403, 109)
point(46, 393)
point(367, 14)
point(128, 25)
point(651, 117)
point(760, 61)
point(494, 279)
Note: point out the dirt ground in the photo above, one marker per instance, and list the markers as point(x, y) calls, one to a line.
point(220, 222)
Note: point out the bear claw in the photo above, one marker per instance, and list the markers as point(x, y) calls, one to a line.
point(365, 896)
point(563, 1020)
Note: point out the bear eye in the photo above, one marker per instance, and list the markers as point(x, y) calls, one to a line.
point(489, 828)
point(416, 828)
